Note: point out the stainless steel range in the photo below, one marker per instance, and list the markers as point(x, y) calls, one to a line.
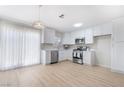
point(78, 55)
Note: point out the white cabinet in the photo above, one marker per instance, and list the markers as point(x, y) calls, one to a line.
point(88, 36)
point(66, 38)
point(69, 54)
point(72, 38)
point(58, 37)
point(103, 29)
point(69, 37)
point(62, 55)
point(78, 34)
point(89, 57)
point(65, 55)
point(45, 57)
point(48, 36)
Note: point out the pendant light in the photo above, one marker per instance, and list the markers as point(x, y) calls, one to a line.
point(38, 24)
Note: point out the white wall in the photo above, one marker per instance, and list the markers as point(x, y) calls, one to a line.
point(118, 45)
point(102, 46)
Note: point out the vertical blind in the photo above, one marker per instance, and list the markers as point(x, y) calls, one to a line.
point(19, 46)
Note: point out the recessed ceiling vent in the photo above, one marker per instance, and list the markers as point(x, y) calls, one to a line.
point(61, 16)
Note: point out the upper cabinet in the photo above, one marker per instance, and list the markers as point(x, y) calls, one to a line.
point(67, 38)
point(49, 35)
point(88, 36)
point(72, 37)
point(103, 29)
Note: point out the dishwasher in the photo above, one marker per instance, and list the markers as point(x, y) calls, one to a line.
point(54, 56)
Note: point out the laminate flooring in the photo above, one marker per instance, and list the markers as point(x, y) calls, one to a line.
point(63, 74)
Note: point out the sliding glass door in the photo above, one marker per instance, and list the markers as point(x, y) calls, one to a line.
point(19, 46)
point(31, 47)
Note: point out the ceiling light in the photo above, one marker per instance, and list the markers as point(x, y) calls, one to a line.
point(78, 25)
point(38, 24)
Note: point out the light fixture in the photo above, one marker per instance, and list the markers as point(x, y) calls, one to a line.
point(61, 16)
point(38, 24)
point(78, 24)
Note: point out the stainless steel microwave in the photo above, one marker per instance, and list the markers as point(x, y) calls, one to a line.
point(80, 41)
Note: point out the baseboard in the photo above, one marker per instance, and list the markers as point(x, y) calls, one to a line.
point(65, 60)
point(16, 67)
point(117, 71)
point(103, 66)
point(112, 70)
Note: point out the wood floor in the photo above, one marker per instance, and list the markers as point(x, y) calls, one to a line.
point(61, 74)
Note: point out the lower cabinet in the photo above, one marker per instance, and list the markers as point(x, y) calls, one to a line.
point(49, 56)
point(45, 57)
point(65, 55)
point(89, 57)
point(62, 55)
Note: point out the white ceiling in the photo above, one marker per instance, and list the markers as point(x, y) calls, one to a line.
point(89, 15)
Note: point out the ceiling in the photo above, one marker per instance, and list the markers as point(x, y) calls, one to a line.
point(89, 15)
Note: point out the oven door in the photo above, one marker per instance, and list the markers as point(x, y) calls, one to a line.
point(77, 54)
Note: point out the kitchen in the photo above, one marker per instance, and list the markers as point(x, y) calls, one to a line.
point(67, 43)
point(61, 45)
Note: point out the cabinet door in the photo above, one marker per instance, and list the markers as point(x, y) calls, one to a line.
point(77, 34)
point(62, 55)
point(88, 36)
point(49, 36)
point(86, 57)
point(65, 54)
point(69, 54)
point(66, 38)
point(72, 38)
point(89, 57)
